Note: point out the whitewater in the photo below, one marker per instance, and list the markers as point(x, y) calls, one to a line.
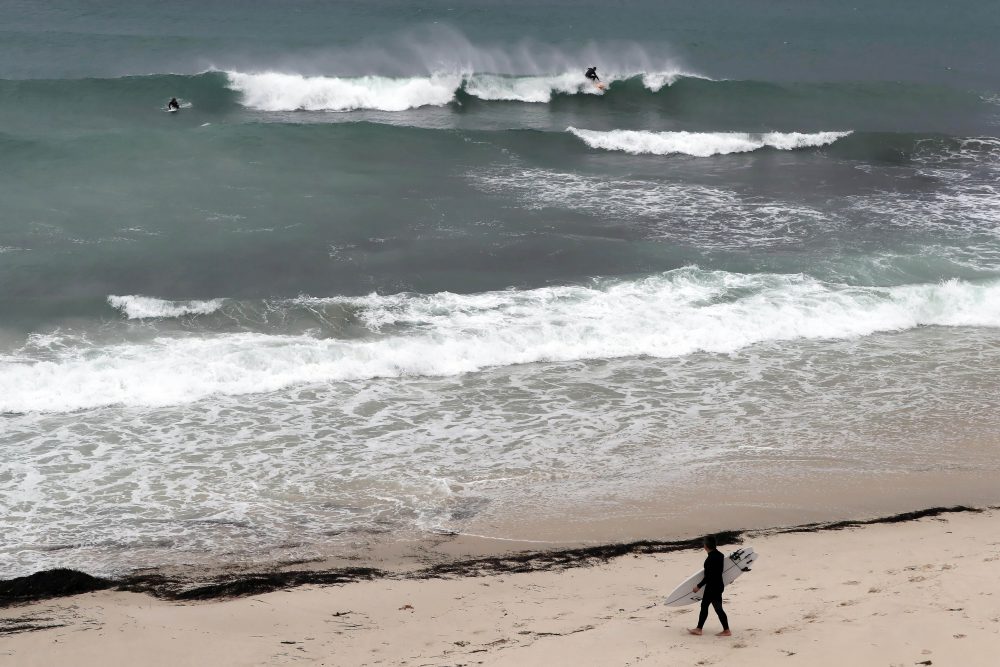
point(663, 316)
point(702, 144)
point(282, 91)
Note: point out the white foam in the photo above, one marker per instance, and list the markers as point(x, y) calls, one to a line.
point(527, 88)
point(967, 201)
point(700, 144)
point(136, 307)
point(665, 315)
point(540, 89)
point(656, 81)
point(709, 217)
point(275, 91)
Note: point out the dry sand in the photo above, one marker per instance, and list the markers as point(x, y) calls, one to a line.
point(925, 592)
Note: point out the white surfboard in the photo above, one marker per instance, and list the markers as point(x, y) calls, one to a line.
point(737, 563)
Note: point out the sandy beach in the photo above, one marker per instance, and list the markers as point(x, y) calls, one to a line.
point(918, 592)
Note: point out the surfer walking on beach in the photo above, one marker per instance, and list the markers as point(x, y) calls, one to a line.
point(714, 585)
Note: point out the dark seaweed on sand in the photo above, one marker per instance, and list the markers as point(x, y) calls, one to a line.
point(63, 582)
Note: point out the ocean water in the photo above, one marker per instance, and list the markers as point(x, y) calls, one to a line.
point(397, 268)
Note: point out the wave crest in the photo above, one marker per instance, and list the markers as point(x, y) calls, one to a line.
point(136, 307)
point(538, 89)
point(272, 91)
point(701, 144)
point(275, 91)
point(665, 315)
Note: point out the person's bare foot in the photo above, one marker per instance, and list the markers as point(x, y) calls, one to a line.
point(724, 633)
point(695, 631)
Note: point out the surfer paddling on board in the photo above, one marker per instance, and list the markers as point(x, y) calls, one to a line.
point(714, 565)
point(173, 104)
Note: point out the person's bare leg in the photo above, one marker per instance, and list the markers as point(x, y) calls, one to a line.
point(724, 633)
point(695, 631)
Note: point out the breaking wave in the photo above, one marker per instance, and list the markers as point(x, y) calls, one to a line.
point(701, 144)
point(665, 315)
point(274, 91)
point(137, 307)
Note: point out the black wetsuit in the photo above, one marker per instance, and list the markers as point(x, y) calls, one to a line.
point(714, 586)
point(173, 104)
point(592, 74)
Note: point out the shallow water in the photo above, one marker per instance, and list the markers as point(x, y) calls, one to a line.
point(397, 269)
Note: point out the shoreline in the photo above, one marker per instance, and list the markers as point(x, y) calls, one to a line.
point(721, 503)
point(218, 584)
point(905, 589)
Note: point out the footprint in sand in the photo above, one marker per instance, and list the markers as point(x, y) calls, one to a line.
point(925, 566)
